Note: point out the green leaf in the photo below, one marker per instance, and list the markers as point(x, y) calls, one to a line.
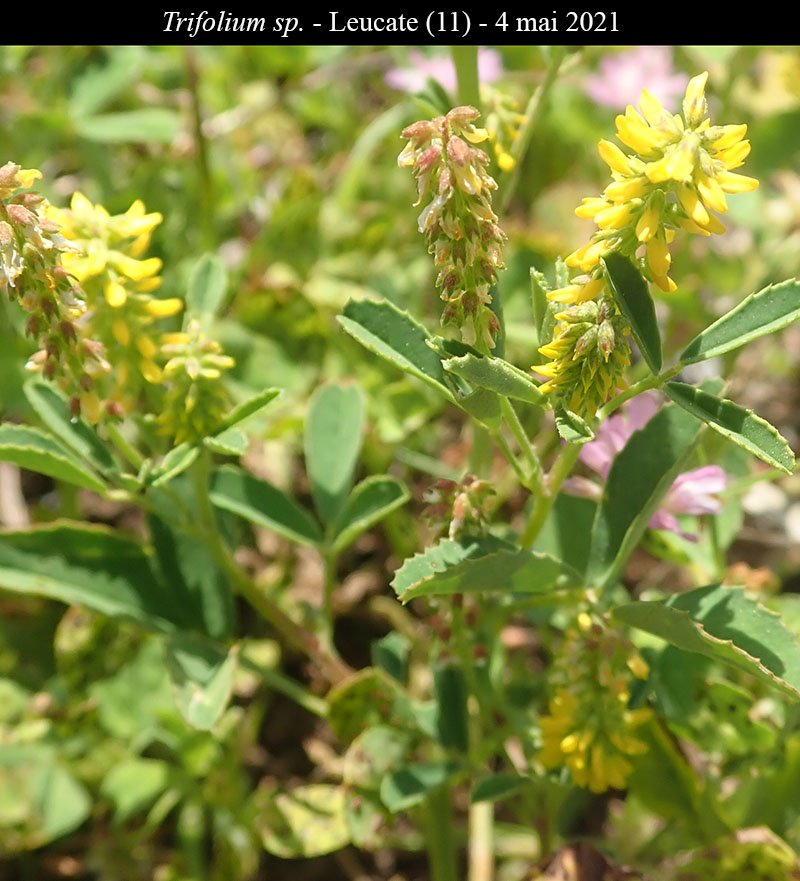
point(200, 588)
point(565, 534)
point(41, 799)
point(208, 282)
point(262, 503)
point(738, 424)
point(37, 451)
point(133, 785)
point(249, 407)
point(368, 698)
point(409, 786)
point(391, 653)
point(52, 408)
point(202, 678)
point(452, 717)
point(638, 480)
point(767, 311)
point(394, 335)
point(496, 375)
point(539, 291)
point(177, 460)
point(723, 624)
point(636, 304)
point(506, 571)
point(88, 565)
point(374, 753)
point(572, 428)
point(152, 124)
point(371, 500)
point(333, 436)
point(496, 787)
point(98, 84)
point(444, 555)
point(308, 821)
point(230, 442)
point(483, 406)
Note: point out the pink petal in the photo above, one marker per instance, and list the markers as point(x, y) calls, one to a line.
point(693, 492)
point(583, 487)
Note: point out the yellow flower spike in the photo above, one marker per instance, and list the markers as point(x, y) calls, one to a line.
point(711, 193)
point(164, 308)
point(736, 183)
point(121, 332)
point(695, 105)
point(614, 158)
point(116, 295)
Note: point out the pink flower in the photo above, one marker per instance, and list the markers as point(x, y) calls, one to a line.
point(622, 76)
point(693, 492)
point(440, 68)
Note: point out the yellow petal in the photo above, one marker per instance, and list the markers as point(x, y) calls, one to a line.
point(164, 308)
point(26, 177)
point(614, 158)
point(648, 223)
point(116, 295)
point(658, 256)
point(736, 183)
point(590, 206)
point(693, 206)
point(151, 371)
point(121, 332)
point(136, 270)
point(711, 193)
point(694, 102)
point(734, 156)
point(624, 190)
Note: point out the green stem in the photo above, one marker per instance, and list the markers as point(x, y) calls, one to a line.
point(329, 562)
point(331, 667)
point(637, 388)
point(558, 474)
point(533, 113)
point(124, 446)
point(465, 60)
point(440, 835)
point(288, 687)
point(481, 834)
point(523, 441)
point(207, 199)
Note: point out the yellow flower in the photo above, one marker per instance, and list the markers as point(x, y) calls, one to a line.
point(588, 727)
point(118, 279)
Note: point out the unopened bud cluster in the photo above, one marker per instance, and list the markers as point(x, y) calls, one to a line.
point(588, 355)
point(32, 274)
point(458, 507)
point(458, 220)
point(195, 400)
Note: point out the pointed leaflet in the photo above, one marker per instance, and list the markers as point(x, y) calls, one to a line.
point(636, 304)
point(37, 451)
point(201, 589)
point(53, 409)
point(90, 566)
point(723, 624)
point(411, 784)
point(202, 677)
point(262, 503)
point(736, 423)
point(395, 336)
point(370, 501)
point(767, 311)
point(638, 480)
point(207, 285)
point(496, 375)
point(249, 407)
point(333, 436)
point(572, 428)
point(440, 572)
